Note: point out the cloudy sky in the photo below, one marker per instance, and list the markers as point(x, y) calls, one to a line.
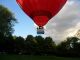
point(66, 22)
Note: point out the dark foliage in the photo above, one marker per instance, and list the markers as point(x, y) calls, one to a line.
point(39, 46)
point(7, 21)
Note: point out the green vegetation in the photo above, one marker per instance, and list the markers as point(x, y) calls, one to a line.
point(7, 21)
point(24, 57)
point(39, 46)
point(32, 48)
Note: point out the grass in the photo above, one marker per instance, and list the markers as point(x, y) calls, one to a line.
point(25, 57)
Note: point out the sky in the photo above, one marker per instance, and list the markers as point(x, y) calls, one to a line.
point(64, 24)
point(25, 25)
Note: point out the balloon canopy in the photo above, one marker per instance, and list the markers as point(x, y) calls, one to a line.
point(41, 11)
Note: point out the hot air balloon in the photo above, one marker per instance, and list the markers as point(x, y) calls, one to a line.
point(41, 11)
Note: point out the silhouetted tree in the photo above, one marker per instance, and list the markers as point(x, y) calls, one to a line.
point(61, 49)
point(7, 21)
point(9, 44)
point(69, 47)
point(30, 45)
point(72, 42)
point(49, 46)
point(2, 42)
point(40, 45)
point(19, 47)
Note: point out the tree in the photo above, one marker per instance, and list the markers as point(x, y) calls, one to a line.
point(73, 43)
point(69, 47)
point(7, 21)
point(39, 39)
point(61, 49)
point(30, 45)
point(49, 41)
point(40, 45)
point(9, 44)
point(19, 45)
point(49, 46)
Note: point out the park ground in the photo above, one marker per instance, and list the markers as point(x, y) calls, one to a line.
point(25, 57)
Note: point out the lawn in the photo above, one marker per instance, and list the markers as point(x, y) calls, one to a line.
point(24, 57)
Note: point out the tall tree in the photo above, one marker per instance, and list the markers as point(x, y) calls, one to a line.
point(40, 45)
point(49, 46)
point(30, 44)
point(69, 47)
point(7, 21)
point(19, 46)
point(72, 41)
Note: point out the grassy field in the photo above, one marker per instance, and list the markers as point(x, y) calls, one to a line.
point(24, 57)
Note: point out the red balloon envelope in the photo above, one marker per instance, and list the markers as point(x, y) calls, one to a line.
point(41, 11)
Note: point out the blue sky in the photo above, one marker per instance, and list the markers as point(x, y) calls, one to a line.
point(25, 25)
point(65, 23)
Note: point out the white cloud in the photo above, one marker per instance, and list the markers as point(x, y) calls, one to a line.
point(66, 22)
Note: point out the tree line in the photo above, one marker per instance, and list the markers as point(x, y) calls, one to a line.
point(39, 46)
